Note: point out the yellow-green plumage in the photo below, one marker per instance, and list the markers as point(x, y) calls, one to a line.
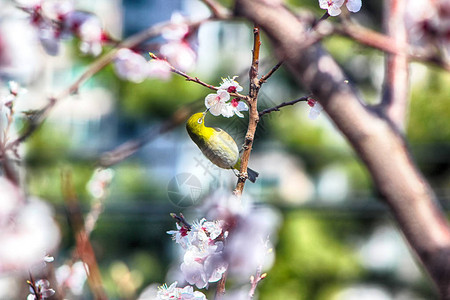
point(216, 144)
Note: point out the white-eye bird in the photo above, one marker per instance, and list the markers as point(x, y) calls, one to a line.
point(216, 144)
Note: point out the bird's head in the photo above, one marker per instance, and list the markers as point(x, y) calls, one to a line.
point(196, 122)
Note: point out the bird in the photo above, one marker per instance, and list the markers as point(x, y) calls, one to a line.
point(216, 144)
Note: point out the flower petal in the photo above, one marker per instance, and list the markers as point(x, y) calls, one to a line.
point(354, 5)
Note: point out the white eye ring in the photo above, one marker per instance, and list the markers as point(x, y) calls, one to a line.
point(199, 121)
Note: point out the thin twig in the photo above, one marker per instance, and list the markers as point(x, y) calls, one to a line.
point(277, 108)
point(196, 79)
point(218, 10)
point(125, 150)
point(98, 65)
point(270, 73)
point(84, 248)
point(387, 44)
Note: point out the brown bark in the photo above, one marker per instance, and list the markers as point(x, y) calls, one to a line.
point(374, 136)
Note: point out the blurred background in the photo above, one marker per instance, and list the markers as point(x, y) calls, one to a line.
point(336, 238)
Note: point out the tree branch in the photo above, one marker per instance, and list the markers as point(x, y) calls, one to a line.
point(388, 44)
point(98, 65)
point(396, 83)
point(270, 73)
point(379, 144)
point(277, 108)
point(130, 147)
point(252, 101)
point(220, 12)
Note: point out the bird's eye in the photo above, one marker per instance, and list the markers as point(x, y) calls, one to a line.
point(200, 121)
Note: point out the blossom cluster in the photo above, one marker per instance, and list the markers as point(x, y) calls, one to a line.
point(27, 229)
point(132, 66)
point(334, 6)
point(40, 290)
point(178, 50)
point(56, 20)
point(428, 24)
point(177, 53)
point(173, 292)
point(217, 103)
point(203, 245)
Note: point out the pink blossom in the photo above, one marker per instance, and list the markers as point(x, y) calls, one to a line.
point(353, 5)
point(230, 85)
point(27, 230)
point(159, 68)
point(130, 65)
point(333, 6)
point(177, 30)
point(203, 260)
point(42, 286)
point(179, 54)
point(99, 181)
point(315, 110)
point(172, 292)
point(73, 277)
point(88, 28)
point(216, 103)
point(234, 107)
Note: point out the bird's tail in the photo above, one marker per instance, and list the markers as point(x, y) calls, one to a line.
point(252, 174)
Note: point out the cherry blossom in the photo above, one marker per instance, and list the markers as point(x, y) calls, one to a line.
point(130, 65)
point(178, 50)
point(203, 260)
point(41, 286)
point(172, 292)
point(353, 5)
point(177, 30)
point(159, 68)
point(333, 6)
point(27, 229)
point(179, 54)
point(88, 28)
point(73, 277)
point(99, 181)
point(315, 110)
point(230, 85)
point(216, 103)
point(235, 107)
point(248, 246)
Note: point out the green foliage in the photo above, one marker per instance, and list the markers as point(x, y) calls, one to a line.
point(429, 119)
point(310, 257)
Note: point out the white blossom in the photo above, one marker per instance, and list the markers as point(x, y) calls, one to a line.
point(131, 66)
point(203, 260)
point(99, 181)
point(159, 68)
point(73, 277)
point(88, 28)
point(234, 107)
point(315, 110)
point(177, 30)
point(333, 6)
point(43, 287)
point(172, 292)
point(216, 103)
point(179, 54)
point(230, 85)
point(353, 5)
point(27, 229)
